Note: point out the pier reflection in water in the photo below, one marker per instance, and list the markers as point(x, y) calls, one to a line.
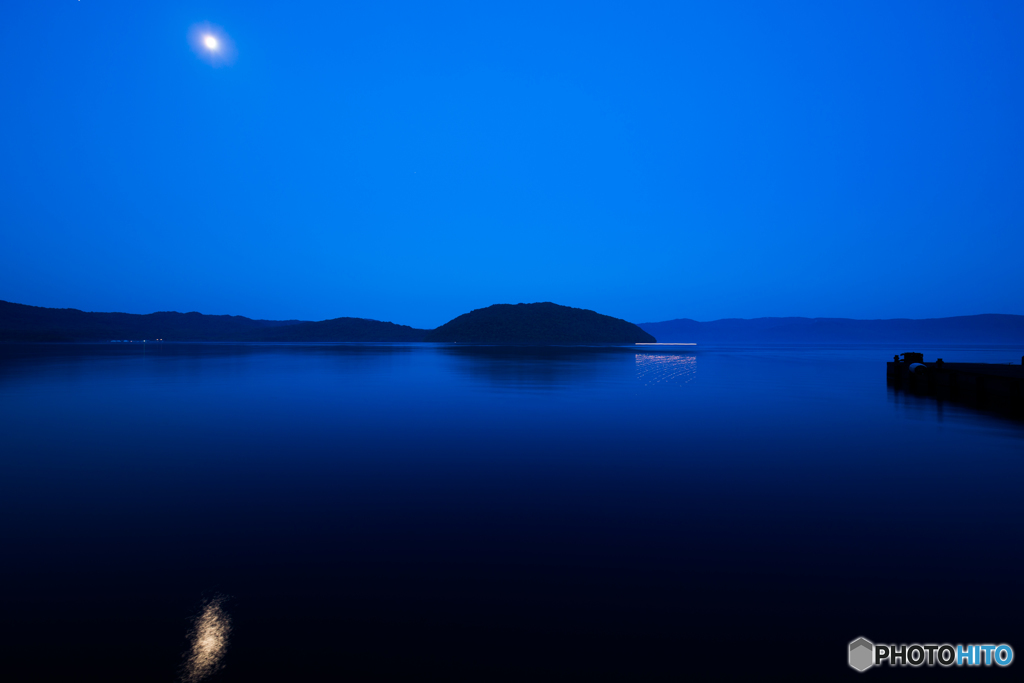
point(655, 368)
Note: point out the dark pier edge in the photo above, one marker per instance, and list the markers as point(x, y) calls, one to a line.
point(987, 386)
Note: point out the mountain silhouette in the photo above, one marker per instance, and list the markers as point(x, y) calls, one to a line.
point(967, 329)
point(537, 323)
point(338, 329)
point(34, 323)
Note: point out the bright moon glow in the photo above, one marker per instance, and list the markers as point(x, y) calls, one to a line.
point(212, 44)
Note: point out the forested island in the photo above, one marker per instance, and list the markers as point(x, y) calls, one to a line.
point(541, 323)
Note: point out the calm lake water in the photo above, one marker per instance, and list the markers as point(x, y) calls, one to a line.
point(372, 512)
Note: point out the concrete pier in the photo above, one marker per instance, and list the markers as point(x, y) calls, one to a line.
point(985, 385)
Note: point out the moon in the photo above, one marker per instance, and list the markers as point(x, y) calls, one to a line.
point(212, 44)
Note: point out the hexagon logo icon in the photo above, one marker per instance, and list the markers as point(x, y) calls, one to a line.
point(862, 654)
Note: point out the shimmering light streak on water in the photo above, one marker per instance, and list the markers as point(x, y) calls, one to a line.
point(209, 638)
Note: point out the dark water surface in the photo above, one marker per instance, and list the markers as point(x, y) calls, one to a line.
point(401, 512)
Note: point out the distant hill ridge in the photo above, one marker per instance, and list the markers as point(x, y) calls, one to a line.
point(541, 323)
point(537, 323)
point(989, 328)
point(19, 322)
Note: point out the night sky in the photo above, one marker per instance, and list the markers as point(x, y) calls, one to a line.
point(411, 161)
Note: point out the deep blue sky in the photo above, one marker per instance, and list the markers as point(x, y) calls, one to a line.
point(412, 161)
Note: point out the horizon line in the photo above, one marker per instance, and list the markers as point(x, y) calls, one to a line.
point(649, 322)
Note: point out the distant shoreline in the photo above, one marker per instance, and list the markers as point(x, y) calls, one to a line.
point(540, 323)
